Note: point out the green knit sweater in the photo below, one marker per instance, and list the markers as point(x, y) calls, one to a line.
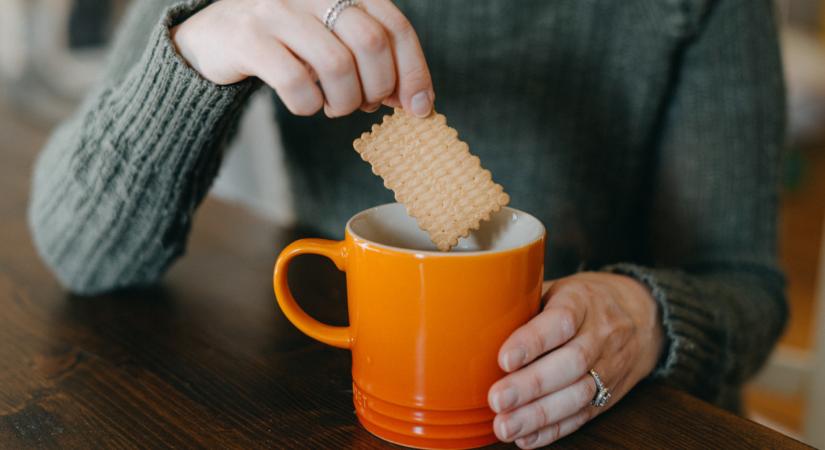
point(645, 134)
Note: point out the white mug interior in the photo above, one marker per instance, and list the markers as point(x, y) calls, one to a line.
point(389, 225)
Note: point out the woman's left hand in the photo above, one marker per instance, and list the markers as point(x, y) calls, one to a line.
point(601, 321)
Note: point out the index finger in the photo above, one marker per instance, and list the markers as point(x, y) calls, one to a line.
point(415, 88)
point(554, 326)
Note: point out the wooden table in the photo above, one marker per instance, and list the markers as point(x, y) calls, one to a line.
point(207, 360)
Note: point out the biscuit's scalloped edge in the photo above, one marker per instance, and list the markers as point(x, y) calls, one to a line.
point(362, 144)
point(474, 226)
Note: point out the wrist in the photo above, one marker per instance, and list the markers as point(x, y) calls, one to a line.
point(178, 36)
point(201, 41)
point(645, 311)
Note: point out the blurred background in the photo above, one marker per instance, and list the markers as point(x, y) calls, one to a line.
point(52, 50)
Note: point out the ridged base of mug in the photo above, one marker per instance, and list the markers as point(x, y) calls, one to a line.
point(421, 428)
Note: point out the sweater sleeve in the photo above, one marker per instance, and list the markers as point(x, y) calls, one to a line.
point(712, 227)
point(115, 188)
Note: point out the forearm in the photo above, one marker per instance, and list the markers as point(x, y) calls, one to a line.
point(115, 188)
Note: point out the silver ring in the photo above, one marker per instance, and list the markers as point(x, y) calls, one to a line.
point(331, 16)
point(602, 392)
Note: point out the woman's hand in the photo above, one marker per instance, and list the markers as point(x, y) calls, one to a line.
point(372, 57)
point(606, 322)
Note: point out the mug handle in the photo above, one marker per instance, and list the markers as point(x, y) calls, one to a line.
point(334, 250)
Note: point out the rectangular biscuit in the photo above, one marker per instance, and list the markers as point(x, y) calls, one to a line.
point(433, 174)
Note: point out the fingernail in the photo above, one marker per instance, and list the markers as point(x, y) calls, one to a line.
point(422, 104)
point(502, 430)
point(372, 108)
point(506, 429)
point(513, 359)
point(504, 400)
point(527, 440)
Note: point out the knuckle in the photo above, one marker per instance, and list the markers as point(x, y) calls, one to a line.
point(536, 384)
point(399, 24)
point(573, 291)
point(248, 30)
point(337, 63)
point(535, 342)
point(540, 414)
point(527, 338)
point(372, 39)
point(585, 392)
point(380, 94)
point(387, 89)
point(553, 432)
point(583, 290)
point(579, 358)
point(417, 76)
point(380, 89)
point(627, 324)
point(567, 321)
point(617, 330)
point(607, 331)
point(344, 106)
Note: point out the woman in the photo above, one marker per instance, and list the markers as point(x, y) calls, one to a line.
point(645, 134)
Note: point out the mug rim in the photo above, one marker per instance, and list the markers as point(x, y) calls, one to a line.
point(436, 253)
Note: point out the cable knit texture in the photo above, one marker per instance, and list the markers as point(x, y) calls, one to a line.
point(645, 134)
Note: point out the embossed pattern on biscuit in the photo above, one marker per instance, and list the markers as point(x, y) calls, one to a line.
point(432, 173)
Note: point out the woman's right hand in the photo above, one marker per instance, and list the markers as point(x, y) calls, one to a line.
point(372, 57)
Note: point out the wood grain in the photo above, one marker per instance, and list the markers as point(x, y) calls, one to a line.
point(207, 360)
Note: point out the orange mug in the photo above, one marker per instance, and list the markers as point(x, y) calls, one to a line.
point(425, 326)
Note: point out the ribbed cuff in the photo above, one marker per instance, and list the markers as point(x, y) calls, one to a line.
point(162, 79)
point(146, 152)
point(184, 123)
point(691, 355)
